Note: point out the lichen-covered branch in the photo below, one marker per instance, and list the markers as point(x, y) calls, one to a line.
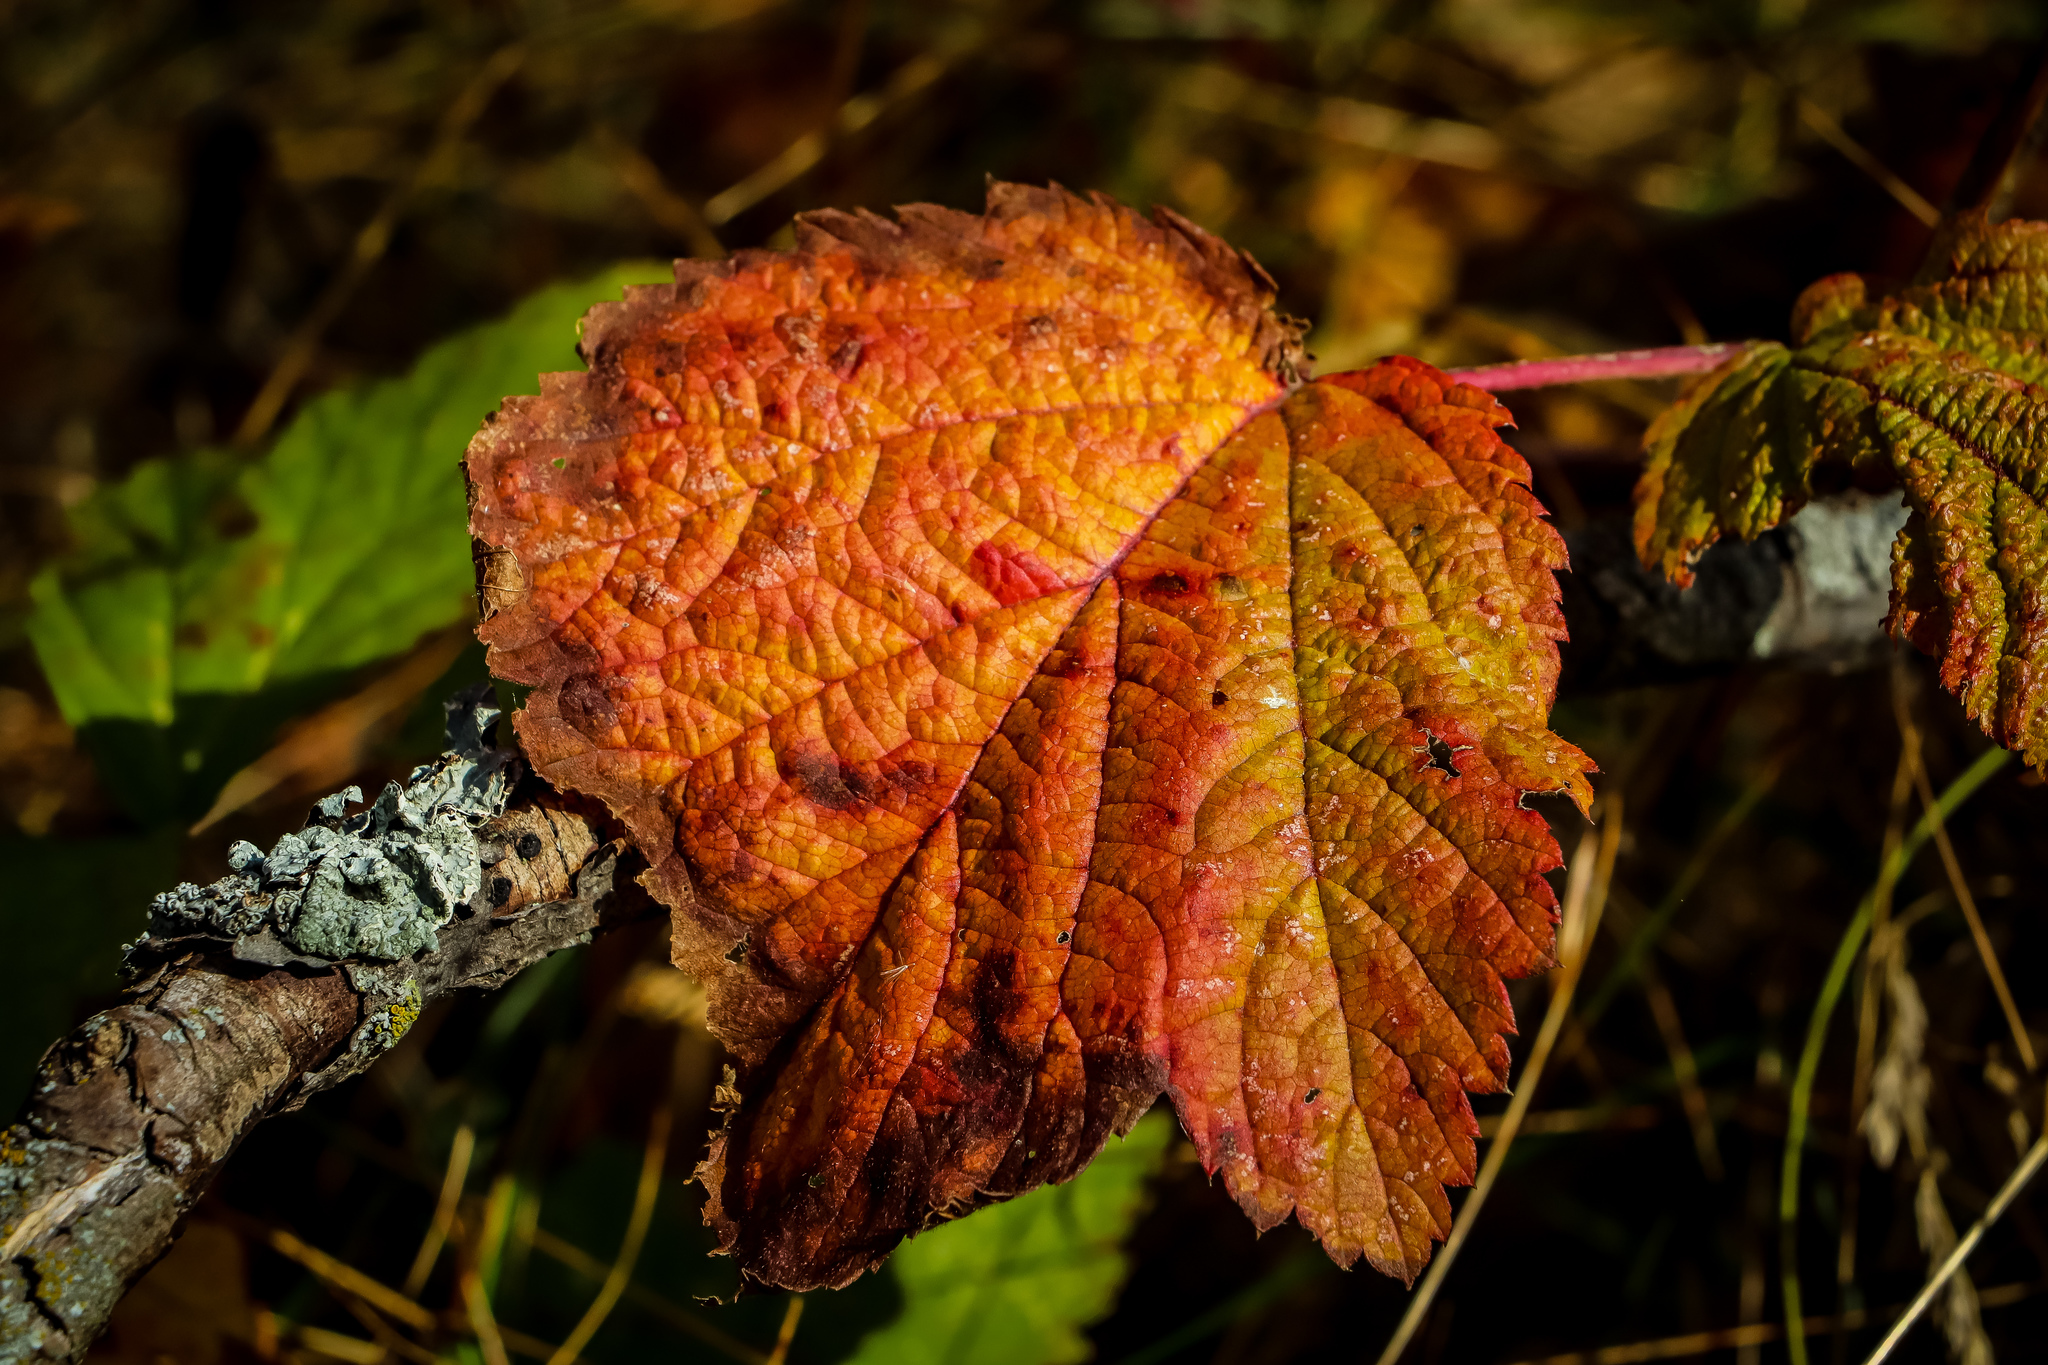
point(291, 974)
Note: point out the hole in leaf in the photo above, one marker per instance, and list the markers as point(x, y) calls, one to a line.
point(1441, 757)
point(1218, 699)
point(1065, 936)
point(1310, 1097)
point(501, 891)
point(560, 461)
point(737, 953)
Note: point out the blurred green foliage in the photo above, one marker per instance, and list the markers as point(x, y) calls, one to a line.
point(208, 597)
point(1014, 1283)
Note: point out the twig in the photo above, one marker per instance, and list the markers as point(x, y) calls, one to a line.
point(653, 1159)
point(1801, 1103)
point(459, 1153)
point(370, 245)
point(1585, 899)
point(1836, 136)
point(2000, 1202)
point(1960, 884)
point(1656, 363)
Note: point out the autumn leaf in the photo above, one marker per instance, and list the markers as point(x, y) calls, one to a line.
point(1032, 698)
point(1935, 390)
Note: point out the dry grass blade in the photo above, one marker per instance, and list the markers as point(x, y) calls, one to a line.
point(654, 1158)
point(645, 1299)
point(1961, 885)
point(644, 180)
point(1800, 1101)
point(338, 1274)
point(1755, 1334)
point(1685, 1069)
point(905, 83)
point(521, 1343)
point(489, 1340)
point(389, 1343)
point(340, 1346)
point(790, 1316)
point(1866, 1019)
point(370, 245)
point(1953, 1262)
point(1645, 937)
point(1585, 899)
point(1910, 199)
point(459, 1153)
point(327, 746)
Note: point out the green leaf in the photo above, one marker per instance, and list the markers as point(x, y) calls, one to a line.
point(1935, 390)
point(209, 597)
point(1015, 1283)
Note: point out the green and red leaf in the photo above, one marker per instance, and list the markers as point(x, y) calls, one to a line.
point(1935, 390)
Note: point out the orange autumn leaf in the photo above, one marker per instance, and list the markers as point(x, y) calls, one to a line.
point(1032, 698)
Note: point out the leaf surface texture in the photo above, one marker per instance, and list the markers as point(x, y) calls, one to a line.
point(1031, 698)
point(1935, 390)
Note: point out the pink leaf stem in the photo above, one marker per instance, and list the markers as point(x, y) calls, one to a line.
point(1655, 363)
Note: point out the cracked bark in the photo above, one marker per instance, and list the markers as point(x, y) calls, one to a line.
point(136, 1111)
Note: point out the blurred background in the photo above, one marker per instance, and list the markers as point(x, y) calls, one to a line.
point(263, 268)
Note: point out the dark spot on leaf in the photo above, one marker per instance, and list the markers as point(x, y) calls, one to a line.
point(191, 635)
point(501, 891)
point(528, 845)
point(822, 780)
point(586, 704)
point(1167, 582)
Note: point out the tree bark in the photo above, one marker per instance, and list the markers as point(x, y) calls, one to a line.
point(135, 1112)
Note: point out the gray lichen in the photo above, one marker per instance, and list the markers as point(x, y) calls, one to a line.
point(377, 884)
